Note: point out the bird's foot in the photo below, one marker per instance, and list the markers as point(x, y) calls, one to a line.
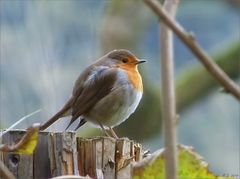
point(113, 133)
point(109, 132)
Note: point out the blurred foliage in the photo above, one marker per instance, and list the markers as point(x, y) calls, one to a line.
point(197, 82)
point(234, 3)
point(124, 24)
point(2, 124)
point(191, 166)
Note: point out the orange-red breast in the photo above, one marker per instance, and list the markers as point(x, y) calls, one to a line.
point(106, 93)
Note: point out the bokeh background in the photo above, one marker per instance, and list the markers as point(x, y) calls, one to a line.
point(44, 45)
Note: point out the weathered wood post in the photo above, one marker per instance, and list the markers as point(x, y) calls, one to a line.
point(63, 153)
point(53, 156)
point(21, 166)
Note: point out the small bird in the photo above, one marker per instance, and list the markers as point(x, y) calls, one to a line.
point(106, 93)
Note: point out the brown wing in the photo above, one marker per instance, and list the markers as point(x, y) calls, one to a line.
point(68, 106)
point(98, 85)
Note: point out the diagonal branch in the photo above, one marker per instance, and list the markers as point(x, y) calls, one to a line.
point(192, 44)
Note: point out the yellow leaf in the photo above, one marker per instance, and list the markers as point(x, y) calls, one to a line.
point(27, 144)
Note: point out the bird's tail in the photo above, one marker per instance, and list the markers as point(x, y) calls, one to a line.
point(58, 115)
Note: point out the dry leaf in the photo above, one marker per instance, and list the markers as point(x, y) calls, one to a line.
point(190, 164)
point(26, 144)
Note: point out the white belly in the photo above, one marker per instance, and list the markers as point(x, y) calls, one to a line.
point(116, 107)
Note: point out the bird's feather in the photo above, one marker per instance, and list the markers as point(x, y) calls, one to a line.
point(99, 84)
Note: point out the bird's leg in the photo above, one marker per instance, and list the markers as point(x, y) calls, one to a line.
point(104, 130)
point(113, 133)
point(82, 122)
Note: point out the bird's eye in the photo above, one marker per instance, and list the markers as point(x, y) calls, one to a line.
point(124, 60)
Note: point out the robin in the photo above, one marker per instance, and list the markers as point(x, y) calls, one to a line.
point(106, 93)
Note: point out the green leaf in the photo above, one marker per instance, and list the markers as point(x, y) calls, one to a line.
point(190, 166)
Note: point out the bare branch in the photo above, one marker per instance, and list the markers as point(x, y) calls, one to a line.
point(168, 93)
point(191, 43)
point(19, 121)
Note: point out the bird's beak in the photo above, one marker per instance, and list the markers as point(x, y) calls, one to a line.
point(140, 61)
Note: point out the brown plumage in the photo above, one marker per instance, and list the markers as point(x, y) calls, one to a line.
point(106, 92)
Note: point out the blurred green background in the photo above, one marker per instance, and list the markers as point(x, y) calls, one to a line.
point(45, 45)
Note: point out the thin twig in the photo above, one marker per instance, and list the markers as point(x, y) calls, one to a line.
point(19, 121)
point(191, 43)
point(168, 93)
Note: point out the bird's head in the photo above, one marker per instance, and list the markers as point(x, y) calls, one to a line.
point(123, 58)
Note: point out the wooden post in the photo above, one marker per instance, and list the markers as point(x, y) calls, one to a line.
point(53, 156)
point(124, 156)
point(21, 166)
point(104, 157)
point(41, 157)
point(63, 153)
point(109, 153)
